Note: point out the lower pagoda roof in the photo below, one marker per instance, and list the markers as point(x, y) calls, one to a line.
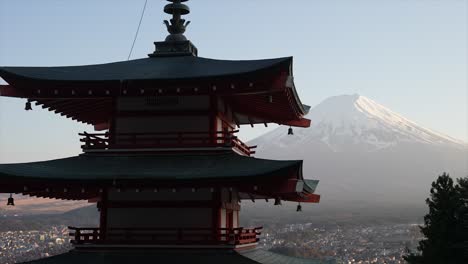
point(142, 167)
point(255, 256)
point(84, 176)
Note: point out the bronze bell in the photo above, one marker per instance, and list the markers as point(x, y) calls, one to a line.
point(11, 201)
point(28, 106)
point(277, 201)
point(290, 131)
point(299, 208)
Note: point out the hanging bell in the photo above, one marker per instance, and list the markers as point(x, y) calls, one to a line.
point(277, 201)
point(28, 106)
point(290, 131)
point(11, 201)
point(299, 207)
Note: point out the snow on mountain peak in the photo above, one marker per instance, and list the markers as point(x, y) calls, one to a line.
point(354, 120)
point(398, 123)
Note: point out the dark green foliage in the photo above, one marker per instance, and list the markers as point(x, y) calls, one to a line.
point(462, 190)
point(446, 225)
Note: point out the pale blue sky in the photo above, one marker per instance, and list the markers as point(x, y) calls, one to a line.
point(409, 55)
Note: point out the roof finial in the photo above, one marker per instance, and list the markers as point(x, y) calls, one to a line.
point(177, 26)
point(176, 44)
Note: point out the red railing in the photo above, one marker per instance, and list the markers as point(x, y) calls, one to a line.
point(166, 236)
point(100, 141)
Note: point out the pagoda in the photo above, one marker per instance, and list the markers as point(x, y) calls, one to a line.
point(165, 167)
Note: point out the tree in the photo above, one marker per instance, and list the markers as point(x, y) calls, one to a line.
point(462, 191)
point(445, 226)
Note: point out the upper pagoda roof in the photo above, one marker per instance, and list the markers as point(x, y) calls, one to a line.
point(260, 91)
point(153, 68)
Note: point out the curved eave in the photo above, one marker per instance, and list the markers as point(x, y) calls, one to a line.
point(147, 69)
point(93, 172)
point(301, 108)
point(294, 188)
point(63, 89)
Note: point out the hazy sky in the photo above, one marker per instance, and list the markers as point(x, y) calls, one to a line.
point(409, 55)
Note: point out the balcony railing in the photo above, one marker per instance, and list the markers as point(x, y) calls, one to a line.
point(166, 236)
point(106, 141)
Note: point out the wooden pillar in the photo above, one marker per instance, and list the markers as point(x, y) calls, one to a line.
point(103, 215)
point(213, 118)
point(216, 213)
point(112, 121)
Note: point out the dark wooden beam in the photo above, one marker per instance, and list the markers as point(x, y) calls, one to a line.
point(187, 112)
point(162, 204)
point(10, 91)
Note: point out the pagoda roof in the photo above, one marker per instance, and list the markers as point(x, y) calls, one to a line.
point(92, 172)
point(154, 68)
point(141, 167)
point(85, 93)
point(255, 256)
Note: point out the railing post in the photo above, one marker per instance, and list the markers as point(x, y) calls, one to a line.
point(95, 235)
point(78, 236)
point(87, 139)
point(215, 235)
point(232, 236)
point(228, 139)
point(127, 235)
point(107, 139)
point(179, 235)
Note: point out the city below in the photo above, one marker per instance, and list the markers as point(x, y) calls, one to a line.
point(347, 244)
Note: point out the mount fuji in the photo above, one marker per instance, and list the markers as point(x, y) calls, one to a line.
point(352, 122)
point(366, 156)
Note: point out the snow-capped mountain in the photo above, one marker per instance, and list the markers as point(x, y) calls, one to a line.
point(366, 155)
point(353, 121)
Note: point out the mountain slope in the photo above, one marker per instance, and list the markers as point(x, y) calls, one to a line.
point(347, 120)
point(366, 155)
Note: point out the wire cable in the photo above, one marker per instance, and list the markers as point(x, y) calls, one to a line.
point(138, 30)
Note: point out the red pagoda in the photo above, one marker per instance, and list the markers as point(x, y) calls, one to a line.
point(166, 170)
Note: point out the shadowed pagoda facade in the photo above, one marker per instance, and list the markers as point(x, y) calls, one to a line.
point(165, 168)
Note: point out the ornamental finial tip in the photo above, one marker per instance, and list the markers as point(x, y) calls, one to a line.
point(176, 26)
point(175, 44)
